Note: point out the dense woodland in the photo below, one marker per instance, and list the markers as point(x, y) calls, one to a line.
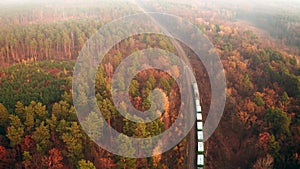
point(52, 31)
point(39, 126)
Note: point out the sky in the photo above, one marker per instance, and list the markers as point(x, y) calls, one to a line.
point(252, 4)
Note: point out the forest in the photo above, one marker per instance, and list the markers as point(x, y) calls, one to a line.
point(39, 127)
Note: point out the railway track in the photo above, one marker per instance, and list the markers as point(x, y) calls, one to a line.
point(195, 156)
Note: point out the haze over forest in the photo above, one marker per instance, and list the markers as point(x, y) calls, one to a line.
point(258, 43)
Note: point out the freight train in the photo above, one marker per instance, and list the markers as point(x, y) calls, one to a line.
point(199, 125)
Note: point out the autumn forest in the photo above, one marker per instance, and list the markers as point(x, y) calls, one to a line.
point(39, 126)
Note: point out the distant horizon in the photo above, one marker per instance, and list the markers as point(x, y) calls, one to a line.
point(286, 6)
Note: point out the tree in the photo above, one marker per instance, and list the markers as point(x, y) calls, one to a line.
point(164, 84)
point(25, 112)
point(274, 147)
point(285, 100)
point(27, 160)
point(125, 146)
point(7, 157)
point(85, 164)
point(150, 83)
point(62, 127)
point(53, 123)
point(29, 121)
point(108, 111)
point(134, 88)
point(247, 82)
point(155, 127)
point(127, 127)
point(4, 116)
point(20, 110)
point(54, 160)
point(266, 162)
point(73, 138)
point(64, 110)
point(156, 159)
point(81, 95)
point(93, 126)
point(259, 101)
point(42, 138)
point(41, 112)
point(28, 144)
point(2, 152)
point(279, 121)
point(140, 131)
point(15, 131)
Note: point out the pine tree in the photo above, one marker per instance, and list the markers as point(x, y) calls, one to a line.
point(125, 146)
point(29, 121)
point(164, 84)
point(73, 139)
point(40, 111)
point(42, 138)
point(134, 88)
point(15, 131)
point(85, 164)
point(279, 121)
point(93, 126)
point(4, 116)
point(20, 110)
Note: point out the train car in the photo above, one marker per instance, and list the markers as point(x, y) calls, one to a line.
point(197, 102)
point(199, 116)
point(195, 86)
point(196, 91)
point(198, 106)
point(199, 126)
point(200, 160)
point(196, 96)
point(200, 147)
point(200, 135)
point(198, 109)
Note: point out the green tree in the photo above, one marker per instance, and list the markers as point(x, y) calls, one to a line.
point(4, 116)
point(150, 84)
point(27, 159)
point(279, 121)
point(134, 88)
point(42, 138)
point(15, 131)
point(93, 126)
point(28, 110)
point(53, 122)
point(259, 101)
point(73, 138)
point(41, 112)
point(247, 81)
point(140, 131)
point(125, 146)
point(127, 128)
point(64, 110)
point(29, 121)
point(81, 95)
point(85, 164)
point(285, 100)
point(155, 127)
point(20, 110)
point(164, 84)
point(274, 147)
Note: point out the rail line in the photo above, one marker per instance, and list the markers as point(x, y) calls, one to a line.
point(200, 144)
